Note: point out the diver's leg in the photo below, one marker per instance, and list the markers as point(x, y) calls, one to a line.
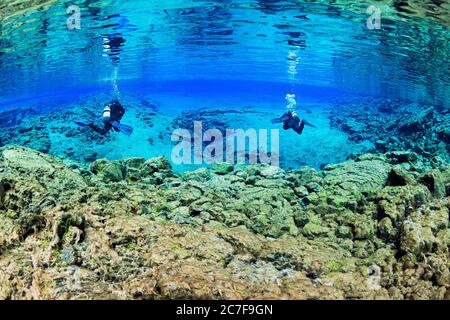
point(309, 124)
point(277, 120)
point(98, 130)
point(299, 128)
point(283, 118)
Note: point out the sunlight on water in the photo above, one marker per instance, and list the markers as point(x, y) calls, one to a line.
point(284, 41)
point(229, 63)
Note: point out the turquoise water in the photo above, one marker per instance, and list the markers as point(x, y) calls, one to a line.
point(242, 55)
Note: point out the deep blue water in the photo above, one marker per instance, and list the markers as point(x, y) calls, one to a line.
point(292, 42)
point(222, 90)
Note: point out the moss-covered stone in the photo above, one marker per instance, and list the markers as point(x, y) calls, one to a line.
point(161, 235)
point(434, 182)
point(108, 171)
point(399, 177)
point(386, 229)
point(312, 230)
point(221, 168)
point(156, 165)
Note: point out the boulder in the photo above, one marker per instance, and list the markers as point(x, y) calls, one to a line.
point(22, 164)
point(433, 180)
point(399, 177)
point(359, 176)
point(108, 171)
point(156, 165)
point(312, 231)
point(221, 168)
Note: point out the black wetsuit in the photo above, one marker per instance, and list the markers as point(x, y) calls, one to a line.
point(291, 121)
point(117, 113)
point(115, 43)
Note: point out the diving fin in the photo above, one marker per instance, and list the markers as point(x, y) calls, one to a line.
point(308, 123)
point(126, 130)
point(274, 121)
point(284, 118)
point(81, 124)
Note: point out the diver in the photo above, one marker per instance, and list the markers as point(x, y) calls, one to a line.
point(112, 115)
point(290, 119)
point(112, 46)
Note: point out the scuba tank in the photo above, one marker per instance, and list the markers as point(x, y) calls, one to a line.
point(107, 113)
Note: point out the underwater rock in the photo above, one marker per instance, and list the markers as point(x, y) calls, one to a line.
point(381, 145)
point(434, 182)
point(399, 177)
point(312, 230)
point(221, 168)
point(240, 233)
point(108, 171)
point(359, 176)
point(392, 125)
point(208, 117)
point(21, 164)
point(386, 229)
point(156, 165)
point(401, 157)
point(90, 156)
point(15, 117)
point(446, 180)
point(417, 123)
point(35, 137)
point(444, 135)
point(132, 170)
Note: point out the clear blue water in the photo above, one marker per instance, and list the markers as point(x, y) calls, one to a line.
point(190, 54)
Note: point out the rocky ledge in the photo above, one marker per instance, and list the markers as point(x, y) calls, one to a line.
point(374, 227)
point(393, 125)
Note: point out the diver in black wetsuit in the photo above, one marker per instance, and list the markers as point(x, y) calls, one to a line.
point(112, 115)
point(291, 120)
point(113, 44)
point(113, 112)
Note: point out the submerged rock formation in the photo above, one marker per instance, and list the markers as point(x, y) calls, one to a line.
point(393, 125)
point(133, 229)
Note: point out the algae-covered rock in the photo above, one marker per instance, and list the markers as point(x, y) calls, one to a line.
point(221, 168)
point(270, 171)
point(312, 230)
point(22, 163)
point(131, 170)
point(156, 165)
point(359, 176)
point(399, 177)
point(401, 157)
point(386, 229)
point(253, 233)
point(108, 171)
point(344, 232)
point(446, 179)
point(413, 238)
point(434, 182)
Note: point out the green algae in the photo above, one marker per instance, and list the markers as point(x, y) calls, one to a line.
point(206, 224)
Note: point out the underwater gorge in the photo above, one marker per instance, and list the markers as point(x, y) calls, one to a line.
point(94, 206)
